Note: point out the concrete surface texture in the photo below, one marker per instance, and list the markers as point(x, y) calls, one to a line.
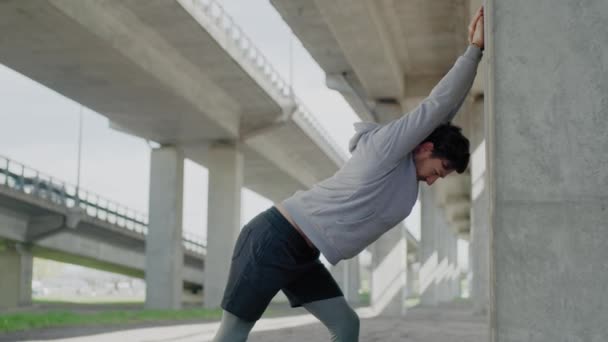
point(479, 248)
point(446, 323)
point(223, 219)
point(164, 251)
point(385, 51)
point(16, 265)
point(548, 121)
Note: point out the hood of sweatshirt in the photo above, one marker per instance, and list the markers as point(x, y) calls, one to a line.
point(361, 128)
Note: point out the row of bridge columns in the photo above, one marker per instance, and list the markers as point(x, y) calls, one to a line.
point(439, 275)
point(164, 251)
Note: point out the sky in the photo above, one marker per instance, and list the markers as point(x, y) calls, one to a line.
point(39, 127)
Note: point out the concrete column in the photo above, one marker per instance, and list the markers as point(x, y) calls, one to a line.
point(16, 280)
point(449, 278)
point(479, 247)
point(442, 278)
point(225, 165)
point(480, 250)
point(547, 106)
point(164, 249)
point(428, 248)
point(347, 275)
point(455, 275)
point(412, 280)
point(389, 272)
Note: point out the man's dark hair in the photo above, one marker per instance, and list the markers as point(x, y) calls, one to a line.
point(451, 145)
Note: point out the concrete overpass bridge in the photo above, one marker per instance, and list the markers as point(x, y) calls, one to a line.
point(41, 216)
point(536, 190)
point(184, 75)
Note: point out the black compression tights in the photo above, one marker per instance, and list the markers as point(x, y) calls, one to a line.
point(334, 313)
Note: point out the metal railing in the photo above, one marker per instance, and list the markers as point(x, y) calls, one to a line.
point(215, 14)
point(29, 181)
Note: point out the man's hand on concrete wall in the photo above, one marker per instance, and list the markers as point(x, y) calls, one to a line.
point(476, 29)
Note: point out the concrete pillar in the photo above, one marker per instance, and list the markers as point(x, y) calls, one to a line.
point(428, 248)
point(442, 279)
point(451, 266)
point(16, 280)
point(479, 247)
point(225, 164)
point(412, 280)
point(455, 274)
point(480, 250)
point(547, 106)
point(164, 249)
point(389, 272)
point(347, 275)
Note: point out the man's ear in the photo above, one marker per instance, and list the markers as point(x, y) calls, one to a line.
point(426, 147)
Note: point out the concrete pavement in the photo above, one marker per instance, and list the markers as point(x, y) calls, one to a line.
point(447, 322)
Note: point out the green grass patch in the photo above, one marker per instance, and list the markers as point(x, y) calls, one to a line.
point(85, 301)
point(31, 320)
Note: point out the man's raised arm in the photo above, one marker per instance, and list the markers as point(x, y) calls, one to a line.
point(399, 137)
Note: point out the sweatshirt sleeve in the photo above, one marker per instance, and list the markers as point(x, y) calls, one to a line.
point(399, 137)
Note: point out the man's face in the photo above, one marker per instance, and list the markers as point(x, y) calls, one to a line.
point(428, 168)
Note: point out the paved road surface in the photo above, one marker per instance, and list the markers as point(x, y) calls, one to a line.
point(448, 323)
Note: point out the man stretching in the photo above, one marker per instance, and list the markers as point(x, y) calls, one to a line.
point(375, 190)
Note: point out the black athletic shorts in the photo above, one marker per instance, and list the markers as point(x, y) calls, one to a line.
point(270, 255)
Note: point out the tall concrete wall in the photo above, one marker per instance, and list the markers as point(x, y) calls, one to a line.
point(547, 101)
point(164, 251)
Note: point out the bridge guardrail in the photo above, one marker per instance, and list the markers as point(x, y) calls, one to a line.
point(30, 181)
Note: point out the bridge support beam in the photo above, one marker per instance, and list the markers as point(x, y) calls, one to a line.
point(225, 163)
point(16, 280)
point(164, 250)
point(389, 272)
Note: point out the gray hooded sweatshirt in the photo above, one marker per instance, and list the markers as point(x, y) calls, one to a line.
point(377, 187)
